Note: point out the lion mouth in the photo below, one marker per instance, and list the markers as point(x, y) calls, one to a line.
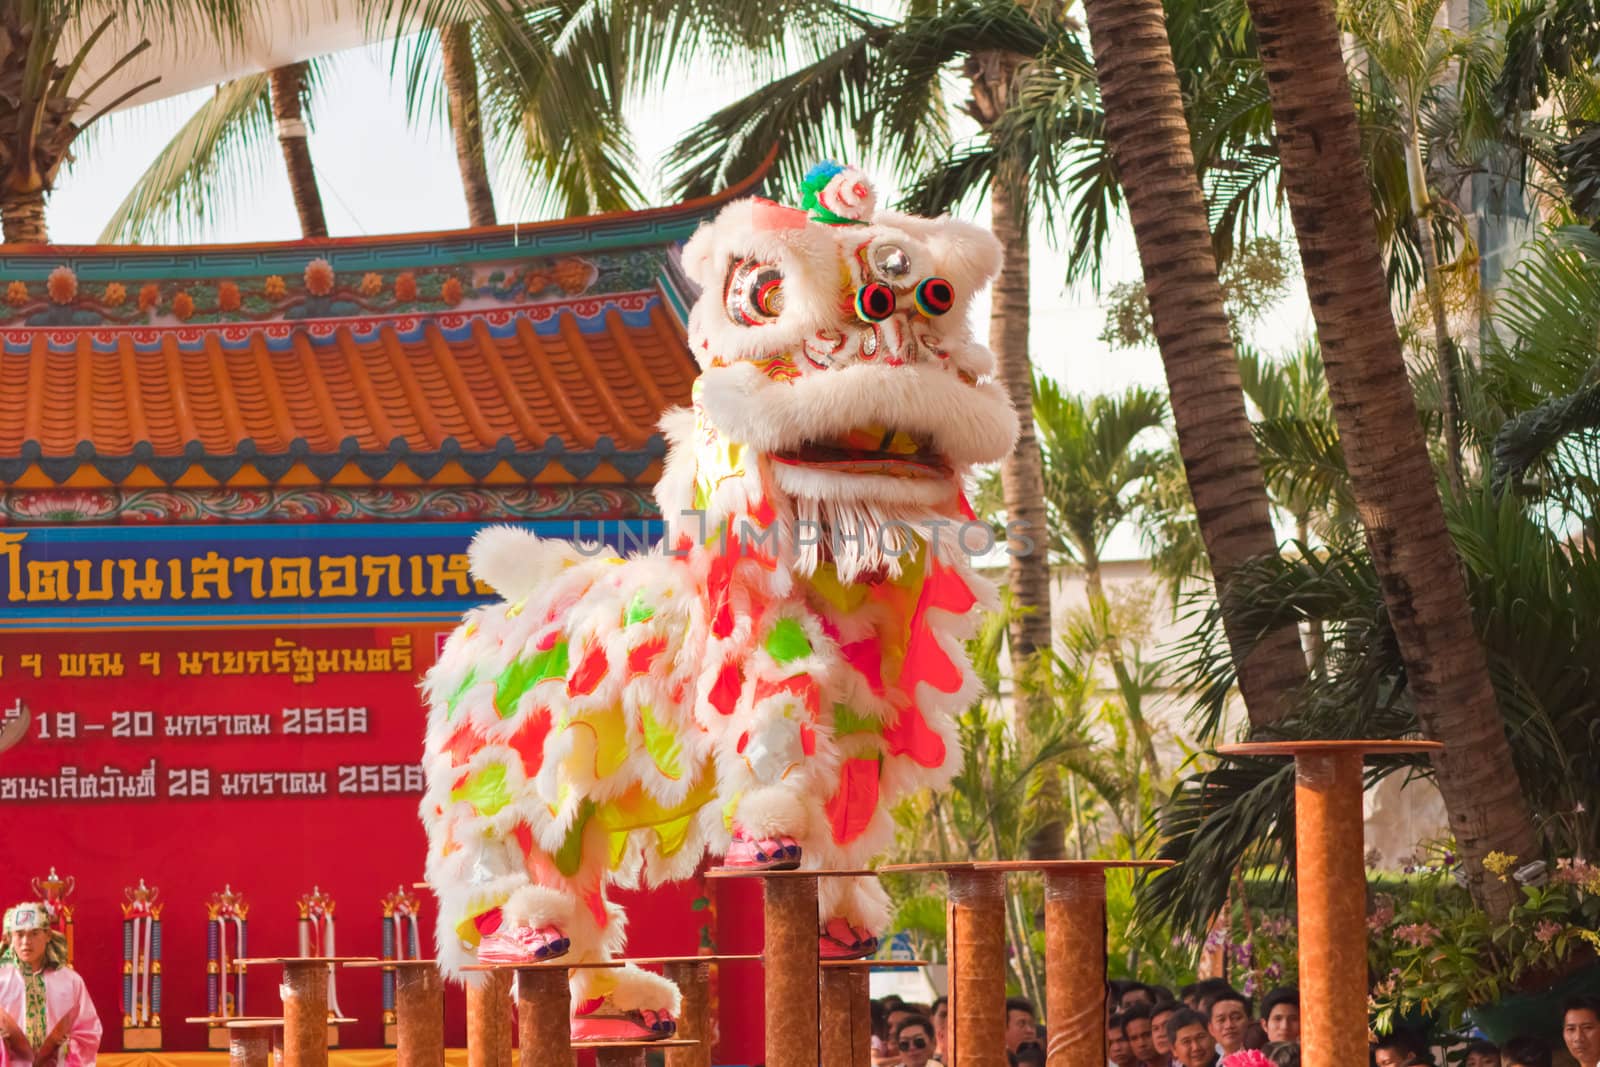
point(870, 451)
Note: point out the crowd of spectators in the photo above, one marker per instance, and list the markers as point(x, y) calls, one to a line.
point(1208, 1024)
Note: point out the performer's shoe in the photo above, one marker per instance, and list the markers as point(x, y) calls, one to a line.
point(762, 854)
point(604, 1021)
point(521, 943)
point(841, 941)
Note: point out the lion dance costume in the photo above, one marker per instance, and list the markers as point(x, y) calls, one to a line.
point(787, 664)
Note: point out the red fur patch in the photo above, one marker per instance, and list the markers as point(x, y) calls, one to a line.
point(910, 735)
point(850, 809)
point(641, 658)
point(725, 693)
point(586, 679)
point(528, 741)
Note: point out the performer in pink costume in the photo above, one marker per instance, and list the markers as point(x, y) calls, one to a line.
point(789, 665)
point(46, 1016)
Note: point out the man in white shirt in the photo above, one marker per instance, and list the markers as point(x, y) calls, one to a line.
point(46, 1016)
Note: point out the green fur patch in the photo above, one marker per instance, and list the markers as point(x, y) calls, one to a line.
point(569, 857)
point(639, 610)
point(486, 790)
point(787, 641)
point(523, 674)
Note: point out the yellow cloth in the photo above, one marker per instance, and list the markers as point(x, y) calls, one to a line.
point(339, 1057)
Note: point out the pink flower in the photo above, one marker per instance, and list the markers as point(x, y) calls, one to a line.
point(1248, 1057)
point(1418, 934)
point(1547, 931)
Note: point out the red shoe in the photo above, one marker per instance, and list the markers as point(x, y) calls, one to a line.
point(841, 941)
point(762, 854)
point(606, 1022)
point(521, 943)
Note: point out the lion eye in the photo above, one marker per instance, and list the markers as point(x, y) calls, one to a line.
point(754, 296)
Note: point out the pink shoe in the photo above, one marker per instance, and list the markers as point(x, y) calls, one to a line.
point(762, 854)
point(521, 943)
point(841, 941)
point(606, 1022)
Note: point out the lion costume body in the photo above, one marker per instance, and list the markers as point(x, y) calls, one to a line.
point(788, 664)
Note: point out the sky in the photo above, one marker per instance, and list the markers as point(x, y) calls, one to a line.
point(381, 174)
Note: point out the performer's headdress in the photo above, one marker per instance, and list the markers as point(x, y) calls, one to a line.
point(33, 915)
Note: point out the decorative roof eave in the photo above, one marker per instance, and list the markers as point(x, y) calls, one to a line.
point(327, 467)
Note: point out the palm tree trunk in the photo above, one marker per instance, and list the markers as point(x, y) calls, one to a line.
point(23, 217)
point(1021, 473)
point(286, 83)
point(1149, 138)
point(466, 122)
point(1390, 473)
point(1448, 360)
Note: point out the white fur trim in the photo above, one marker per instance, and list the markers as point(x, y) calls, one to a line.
point(514, 562)
point(968, 424)
point(772, 812)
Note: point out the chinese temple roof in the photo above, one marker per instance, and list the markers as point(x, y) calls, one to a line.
point(496, 356)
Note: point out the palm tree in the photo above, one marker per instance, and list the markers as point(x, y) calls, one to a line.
point(1149, 139)
point(42, 111)
point(1391, 475)
point(287, 87)
point(466, 121)
point(1093, 471)
point(1401, 45)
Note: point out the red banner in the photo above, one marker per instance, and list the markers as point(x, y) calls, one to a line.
point(268, 761)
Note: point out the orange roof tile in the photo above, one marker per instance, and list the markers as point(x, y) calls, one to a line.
point(577, 383)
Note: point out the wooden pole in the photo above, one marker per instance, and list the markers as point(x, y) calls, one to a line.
point(693, 979)
point(488, 1014)
point(1075, 968)
point(544, 1007)
point(792, 970)
point(419, 1015)
point(977, 968)
point(305, 1013)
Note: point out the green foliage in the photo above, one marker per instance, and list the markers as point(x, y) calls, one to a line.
point(1255, 278)
point(1441, 955)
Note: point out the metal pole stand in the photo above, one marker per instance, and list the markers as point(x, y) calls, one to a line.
point(304, 992)
point(1331, 889)
point(847, 1009)
point(1074, 953)
point(976, 934)
point(419, 1011)
point(793, 972)
point(250, 1041)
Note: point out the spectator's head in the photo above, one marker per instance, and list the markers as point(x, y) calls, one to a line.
point(1283, 1053)
point(941, 1023)
point(1580, 1029)
point(901, 1011)
point(1526, 1052)
point(1137, 1026)
point(1482, 1054)
point(1031, 1055)
point(913, 1037)
point(1159, 1015)
point(1280, 1015)
point(880, 1020)
point(1117, 1050)
point(1022, 1025)
point(29, 939)
point(1399, 1050)
point(1230, 1020)
point(1192, 1045)
point(1189, 995)
point(1207, 992)
point(1136, 993)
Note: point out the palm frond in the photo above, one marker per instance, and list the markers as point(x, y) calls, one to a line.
point(206, 172)
point(823, 110)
